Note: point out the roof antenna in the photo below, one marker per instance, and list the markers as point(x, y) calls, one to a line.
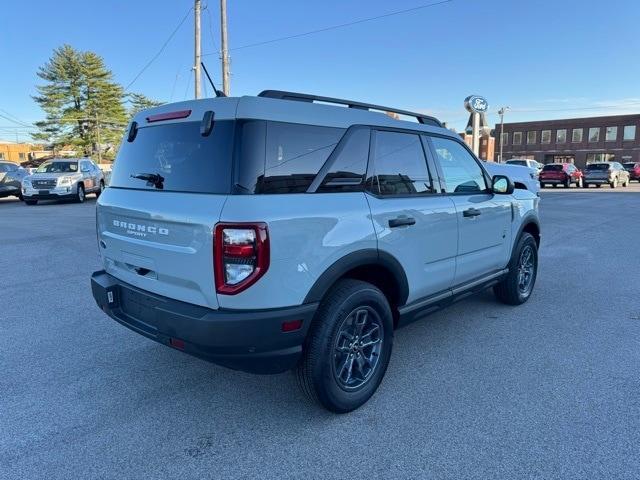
point(218, 92)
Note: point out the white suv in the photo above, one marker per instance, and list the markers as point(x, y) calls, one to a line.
point(273, 232)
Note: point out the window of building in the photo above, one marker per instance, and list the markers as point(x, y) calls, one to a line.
point(505, 138)
point(594, 134)
point(517, 138)
point(629, 133)
point(347, 171)
point(545, 136)
point(22, 156)
point(576, 135)
point(531, 137)
point(1, 155)
point(461, 171)
point(611, 134)
point(399, 165)
point(600, 157)
point(561, 135)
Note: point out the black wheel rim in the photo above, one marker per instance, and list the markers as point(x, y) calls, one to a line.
point(357, 348)
point(526, 270)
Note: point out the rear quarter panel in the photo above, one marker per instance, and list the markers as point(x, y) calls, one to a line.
point(307, 234)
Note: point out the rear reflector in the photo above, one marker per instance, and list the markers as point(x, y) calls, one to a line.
point(291, 326)
point(176, 343)
point(168, 116)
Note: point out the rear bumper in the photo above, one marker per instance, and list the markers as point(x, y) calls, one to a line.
point(595, 181)
point(247, 340)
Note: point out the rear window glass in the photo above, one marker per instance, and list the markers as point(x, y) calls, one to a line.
point(517, 162)
point(629, 165)
point(399, 165)
point(552, 168)
point(177, 152)
point(598, 166)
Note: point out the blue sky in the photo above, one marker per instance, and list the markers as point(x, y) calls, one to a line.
point(545, 59)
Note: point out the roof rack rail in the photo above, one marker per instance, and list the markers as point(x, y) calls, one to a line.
point(305, 97)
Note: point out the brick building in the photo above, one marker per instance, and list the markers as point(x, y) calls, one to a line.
point(575, 140)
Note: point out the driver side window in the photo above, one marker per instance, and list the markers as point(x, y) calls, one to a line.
point(461, 171)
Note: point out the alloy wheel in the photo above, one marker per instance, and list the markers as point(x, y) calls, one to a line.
point(526, 270)
point(357, 348)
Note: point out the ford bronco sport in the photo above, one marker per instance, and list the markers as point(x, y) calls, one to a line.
point(281, 232)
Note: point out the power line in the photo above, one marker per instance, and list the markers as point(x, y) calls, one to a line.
point(164, 45)
point(334, 27)
point(13, 118)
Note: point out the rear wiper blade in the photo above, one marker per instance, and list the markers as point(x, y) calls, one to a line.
point(151, 178)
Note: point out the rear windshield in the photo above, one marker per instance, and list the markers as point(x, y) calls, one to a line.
point(598, 166)
point(629, 165)
point(552, 168)
point(180, 156)
point(517, 162)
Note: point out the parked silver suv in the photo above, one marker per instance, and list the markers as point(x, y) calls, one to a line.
point(273, 232)
point(63, 178)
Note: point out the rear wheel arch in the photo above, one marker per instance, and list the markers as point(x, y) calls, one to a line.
point(376, 267)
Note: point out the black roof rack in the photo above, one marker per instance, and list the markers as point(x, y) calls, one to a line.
point(305, 97)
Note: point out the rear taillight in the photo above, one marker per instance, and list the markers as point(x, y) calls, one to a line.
point(241, 255)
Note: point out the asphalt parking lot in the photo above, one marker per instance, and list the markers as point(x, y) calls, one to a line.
point(550, 389)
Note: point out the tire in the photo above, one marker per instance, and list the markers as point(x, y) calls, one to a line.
point(585, 185)
point(31, 202)
point(100, 189)
point(626, 183)
point(514, 289)
point(614, 183)
point(554, 185)
point(329, 349)
point(543, 185)
point(599, 185)
point(567, 183)
point(80, 194)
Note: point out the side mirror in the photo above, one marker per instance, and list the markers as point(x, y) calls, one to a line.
point(502, 185)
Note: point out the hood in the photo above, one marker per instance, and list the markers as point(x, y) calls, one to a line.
point(511, 171)
point(43, 176)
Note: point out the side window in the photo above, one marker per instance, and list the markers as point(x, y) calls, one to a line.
point(294, 154)
point(348, 169)
point(399, 165)
point(461, 171)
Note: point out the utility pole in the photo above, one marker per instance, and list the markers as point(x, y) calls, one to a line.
point(197, 59)
point(501, 112)
point(226, 85)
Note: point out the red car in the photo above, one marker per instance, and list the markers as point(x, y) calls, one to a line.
point(560, 173)
point(634, 170)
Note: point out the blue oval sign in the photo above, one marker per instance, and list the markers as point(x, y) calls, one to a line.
point(476, 103)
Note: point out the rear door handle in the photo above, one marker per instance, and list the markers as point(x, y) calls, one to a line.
point(471, 212)
point(401, 221)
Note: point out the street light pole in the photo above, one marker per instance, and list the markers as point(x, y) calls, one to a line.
point(501, 112)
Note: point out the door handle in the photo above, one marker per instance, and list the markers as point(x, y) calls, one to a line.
point(401, 221)
point(471, 212)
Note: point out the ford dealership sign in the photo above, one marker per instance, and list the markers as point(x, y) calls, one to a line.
point(476, 104)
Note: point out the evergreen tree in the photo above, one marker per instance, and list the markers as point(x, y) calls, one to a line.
point(139, 102)
point(83, 105)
